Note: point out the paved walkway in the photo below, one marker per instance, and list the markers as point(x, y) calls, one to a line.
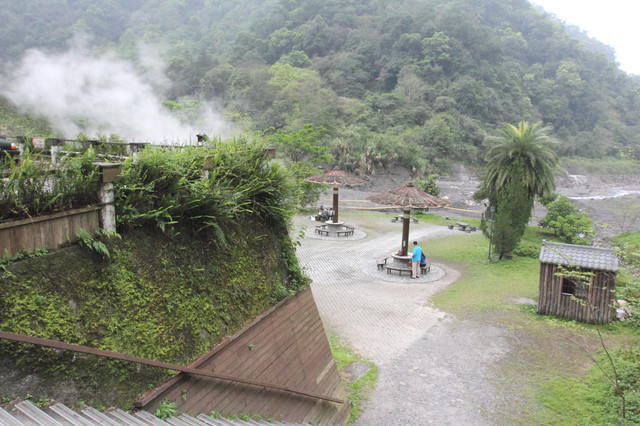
point(432, 368)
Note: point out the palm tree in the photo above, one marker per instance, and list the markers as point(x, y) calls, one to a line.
point(525, 149)
point(519, 168)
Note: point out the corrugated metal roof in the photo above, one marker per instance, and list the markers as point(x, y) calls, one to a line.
point(603, 259)
point(22, 413)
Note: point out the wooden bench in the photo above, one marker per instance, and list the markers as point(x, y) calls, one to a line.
point(397, 218)
point(322, 232)
point(400, 269)
point(345, 233)
point(381, 262)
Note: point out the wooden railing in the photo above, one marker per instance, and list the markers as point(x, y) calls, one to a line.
point(48, 231)
point(124, 357)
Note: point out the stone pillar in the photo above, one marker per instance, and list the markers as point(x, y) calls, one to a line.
point(207, 165)
point(54, 145)
point(405, 231)
point(22, 143)
point(135, 148)
point(110, 173)
point(270, 153)
point(335, 204)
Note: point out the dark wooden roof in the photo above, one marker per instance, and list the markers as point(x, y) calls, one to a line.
point(603, 259)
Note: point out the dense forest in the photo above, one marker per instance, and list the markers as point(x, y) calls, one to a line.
point(376, 83)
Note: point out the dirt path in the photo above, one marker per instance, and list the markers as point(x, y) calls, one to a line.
point(432, 367)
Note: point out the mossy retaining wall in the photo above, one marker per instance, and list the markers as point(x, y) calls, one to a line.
point(162, 297)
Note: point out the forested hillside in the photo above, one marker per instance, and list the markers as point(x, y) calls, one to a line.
point(413, 82)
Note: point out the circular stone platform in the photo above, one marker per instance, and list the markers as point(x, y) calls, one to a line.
point(434, 274)
point(357, 235)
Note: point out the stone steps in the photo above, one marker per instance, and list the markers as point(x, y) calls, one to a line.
point(25, 413)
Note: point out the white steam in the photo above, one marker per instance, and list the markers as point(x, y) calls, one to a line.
point(99, 95)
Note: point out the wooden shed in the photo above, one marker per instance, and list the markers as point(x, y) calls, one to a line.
point(577, 282)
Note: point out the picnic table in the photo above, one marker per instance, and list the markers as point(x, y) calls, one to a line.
point(462, 225)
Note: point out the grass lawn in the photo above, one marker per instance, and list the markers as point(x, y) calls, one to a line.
point(357, 389)
point(550, 364)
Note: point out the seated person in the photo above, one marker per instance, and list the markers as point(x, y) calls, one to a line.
point(324, 215)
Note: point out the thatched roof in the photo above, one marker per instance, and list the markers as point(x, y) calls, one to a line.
point(408, 196)
point(335, 177)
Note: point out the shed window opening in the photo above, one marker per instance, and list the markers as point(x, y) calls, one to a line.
point(574, 287)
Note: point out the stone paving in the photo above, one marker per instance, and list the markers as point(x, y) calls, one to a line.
point(432, 368)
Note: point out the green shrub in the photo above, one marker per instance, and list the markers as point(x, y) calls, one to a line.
point(428, 185)
point(567, 222)
point(165, 187)
point(527, 249)
point(166, 409)
point(34, 188)
point(626, 361)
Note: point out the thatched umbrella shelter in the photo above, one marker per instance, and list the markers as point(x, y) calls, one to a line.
point(335, 177)
point(408, 197)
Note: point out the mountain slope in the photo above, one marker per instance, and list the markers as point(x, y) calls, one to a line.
point(413, 82)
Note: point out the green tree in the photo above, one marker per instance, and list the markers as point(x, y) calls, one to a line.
point(302, 145)
point(305, 192)
point(512, 215)
point(436, 50)
point(527, 149)
point(283, 74)
point(523, 161)
point(558, 208)
point(297, 59)
point(427, 185)
point(216, 81)
point(567, 222)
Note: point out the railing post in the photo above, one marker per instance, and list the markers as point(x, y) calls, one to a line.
point(54, 145)
point(110, 173)
point(208, 165)
point(22, 143)
point(135, 148)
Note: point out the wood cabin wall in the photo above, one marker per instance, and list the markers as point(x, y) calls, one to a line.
point(596, 308)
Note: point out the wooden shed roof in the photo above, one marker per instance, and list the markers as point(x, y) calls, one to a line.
point(603, 259)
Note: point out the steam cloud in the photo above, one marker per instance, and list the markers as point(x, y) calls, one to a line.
point(81, 93)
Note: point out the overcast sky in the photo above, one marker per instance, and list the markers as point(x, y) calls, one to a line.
point(613, 22)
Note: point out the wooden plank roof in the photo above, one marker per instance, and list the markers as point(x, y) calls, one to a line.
point(285, 346)
point(599, 258)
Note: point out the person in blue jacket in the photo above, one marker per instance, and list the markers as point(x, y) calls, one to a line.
point(415, 260)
